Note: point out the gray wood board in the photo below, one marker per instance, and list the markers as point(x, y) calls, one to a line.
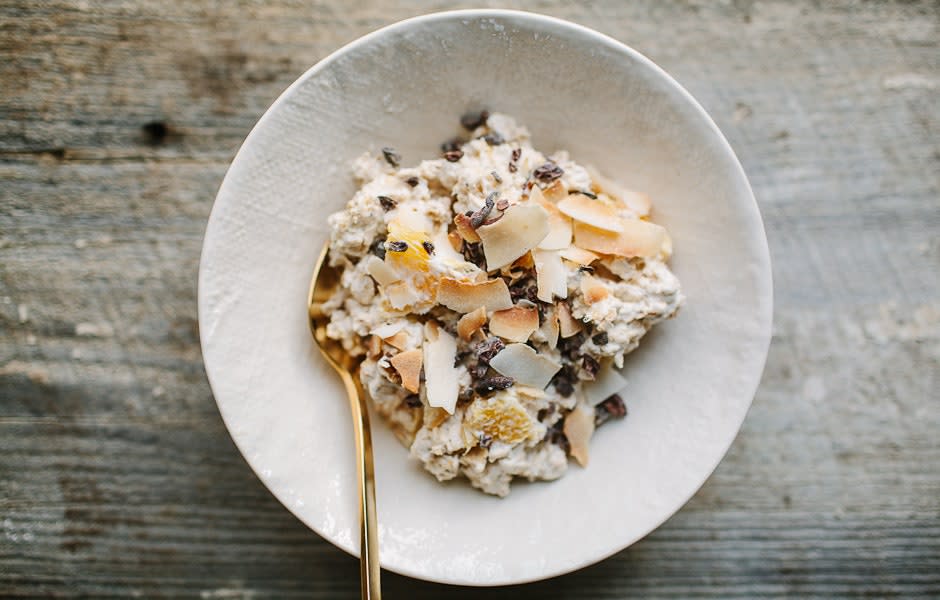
point(117, 477)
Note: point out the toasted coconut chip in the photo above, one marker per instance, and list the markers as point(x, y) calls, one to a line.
point(578, 256)
point(635, 201)
point(525, 365)
point(578, 428)
point(465, 296)
point(607, 382)
point(527, 391)
point(555, 192)
point(440, 352)
point(375, 346)
point(567, 324)
point(433, 417)
point(380, 271)
point(464, 229)
point(550, 275)
point(549, 327)
point(471, 323)
point(637, 238)
point(520, 229)
point(408, 365)
point(442, 247)
point(523, 262)
point(593, 212)
point(559, 227)
point(387, 330)
point(592, 289)
point(455, 241)
point(666, 248)
point(515, 324)
point(400, 295)
point(399, 340)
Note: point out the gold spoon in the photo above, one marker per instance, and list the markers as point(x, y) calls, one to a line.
point(324, 283)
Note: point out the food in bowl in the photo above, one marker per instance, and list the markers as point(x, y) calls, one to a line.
point(492, 293)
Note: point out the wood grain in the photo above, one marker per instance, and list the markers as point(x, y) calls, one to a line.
point(117, 478)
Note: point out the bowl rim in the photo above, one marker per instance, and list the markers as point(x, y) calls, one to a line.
point(765, 279)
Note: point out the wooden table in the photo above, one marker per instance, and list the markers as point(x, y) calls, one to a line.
point(117, 477)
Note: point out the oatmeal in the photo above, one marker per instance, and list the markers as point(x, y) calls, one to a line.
point(492, 293)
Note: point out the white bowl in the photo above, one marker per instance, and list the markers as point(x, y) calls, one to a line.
point(690, 383)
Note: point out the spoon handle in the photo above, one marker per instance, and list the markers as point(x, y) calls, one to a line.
point(369, 570)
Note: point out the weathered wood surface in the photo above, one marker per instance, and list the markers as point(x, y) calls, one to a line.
point(117, 478)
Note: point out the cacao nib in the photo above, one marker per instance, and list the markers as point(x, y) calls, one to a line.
point(548, 172)
point(611, 408)
point(391, 157)
point(487, 386)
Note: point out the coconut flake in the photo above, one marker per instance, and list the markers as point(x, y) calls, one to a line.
point(400, 295)
point(555, 192)
point(464, 229)
point(525, 365)
point(380, 271)
point(408, 365)
point(559, 226)
point(607, 382)
point(440, 352)
point(549, 327)
point(637, 238)
point(399, 340)
point(515, 324)
point(578, 428)
point(466, 296)
point(635, 201)
point(567, 324)
point(578, 256)
point(593, 212)
point(520, 229)
point(551, 276)
point(387, 330)
point(471, 323)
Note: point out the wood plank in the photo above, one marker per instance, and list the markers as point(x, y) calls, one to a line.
point(117, 478)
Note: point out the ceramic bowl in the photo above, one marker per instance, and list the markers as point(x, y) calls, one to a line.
point(690, 383)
